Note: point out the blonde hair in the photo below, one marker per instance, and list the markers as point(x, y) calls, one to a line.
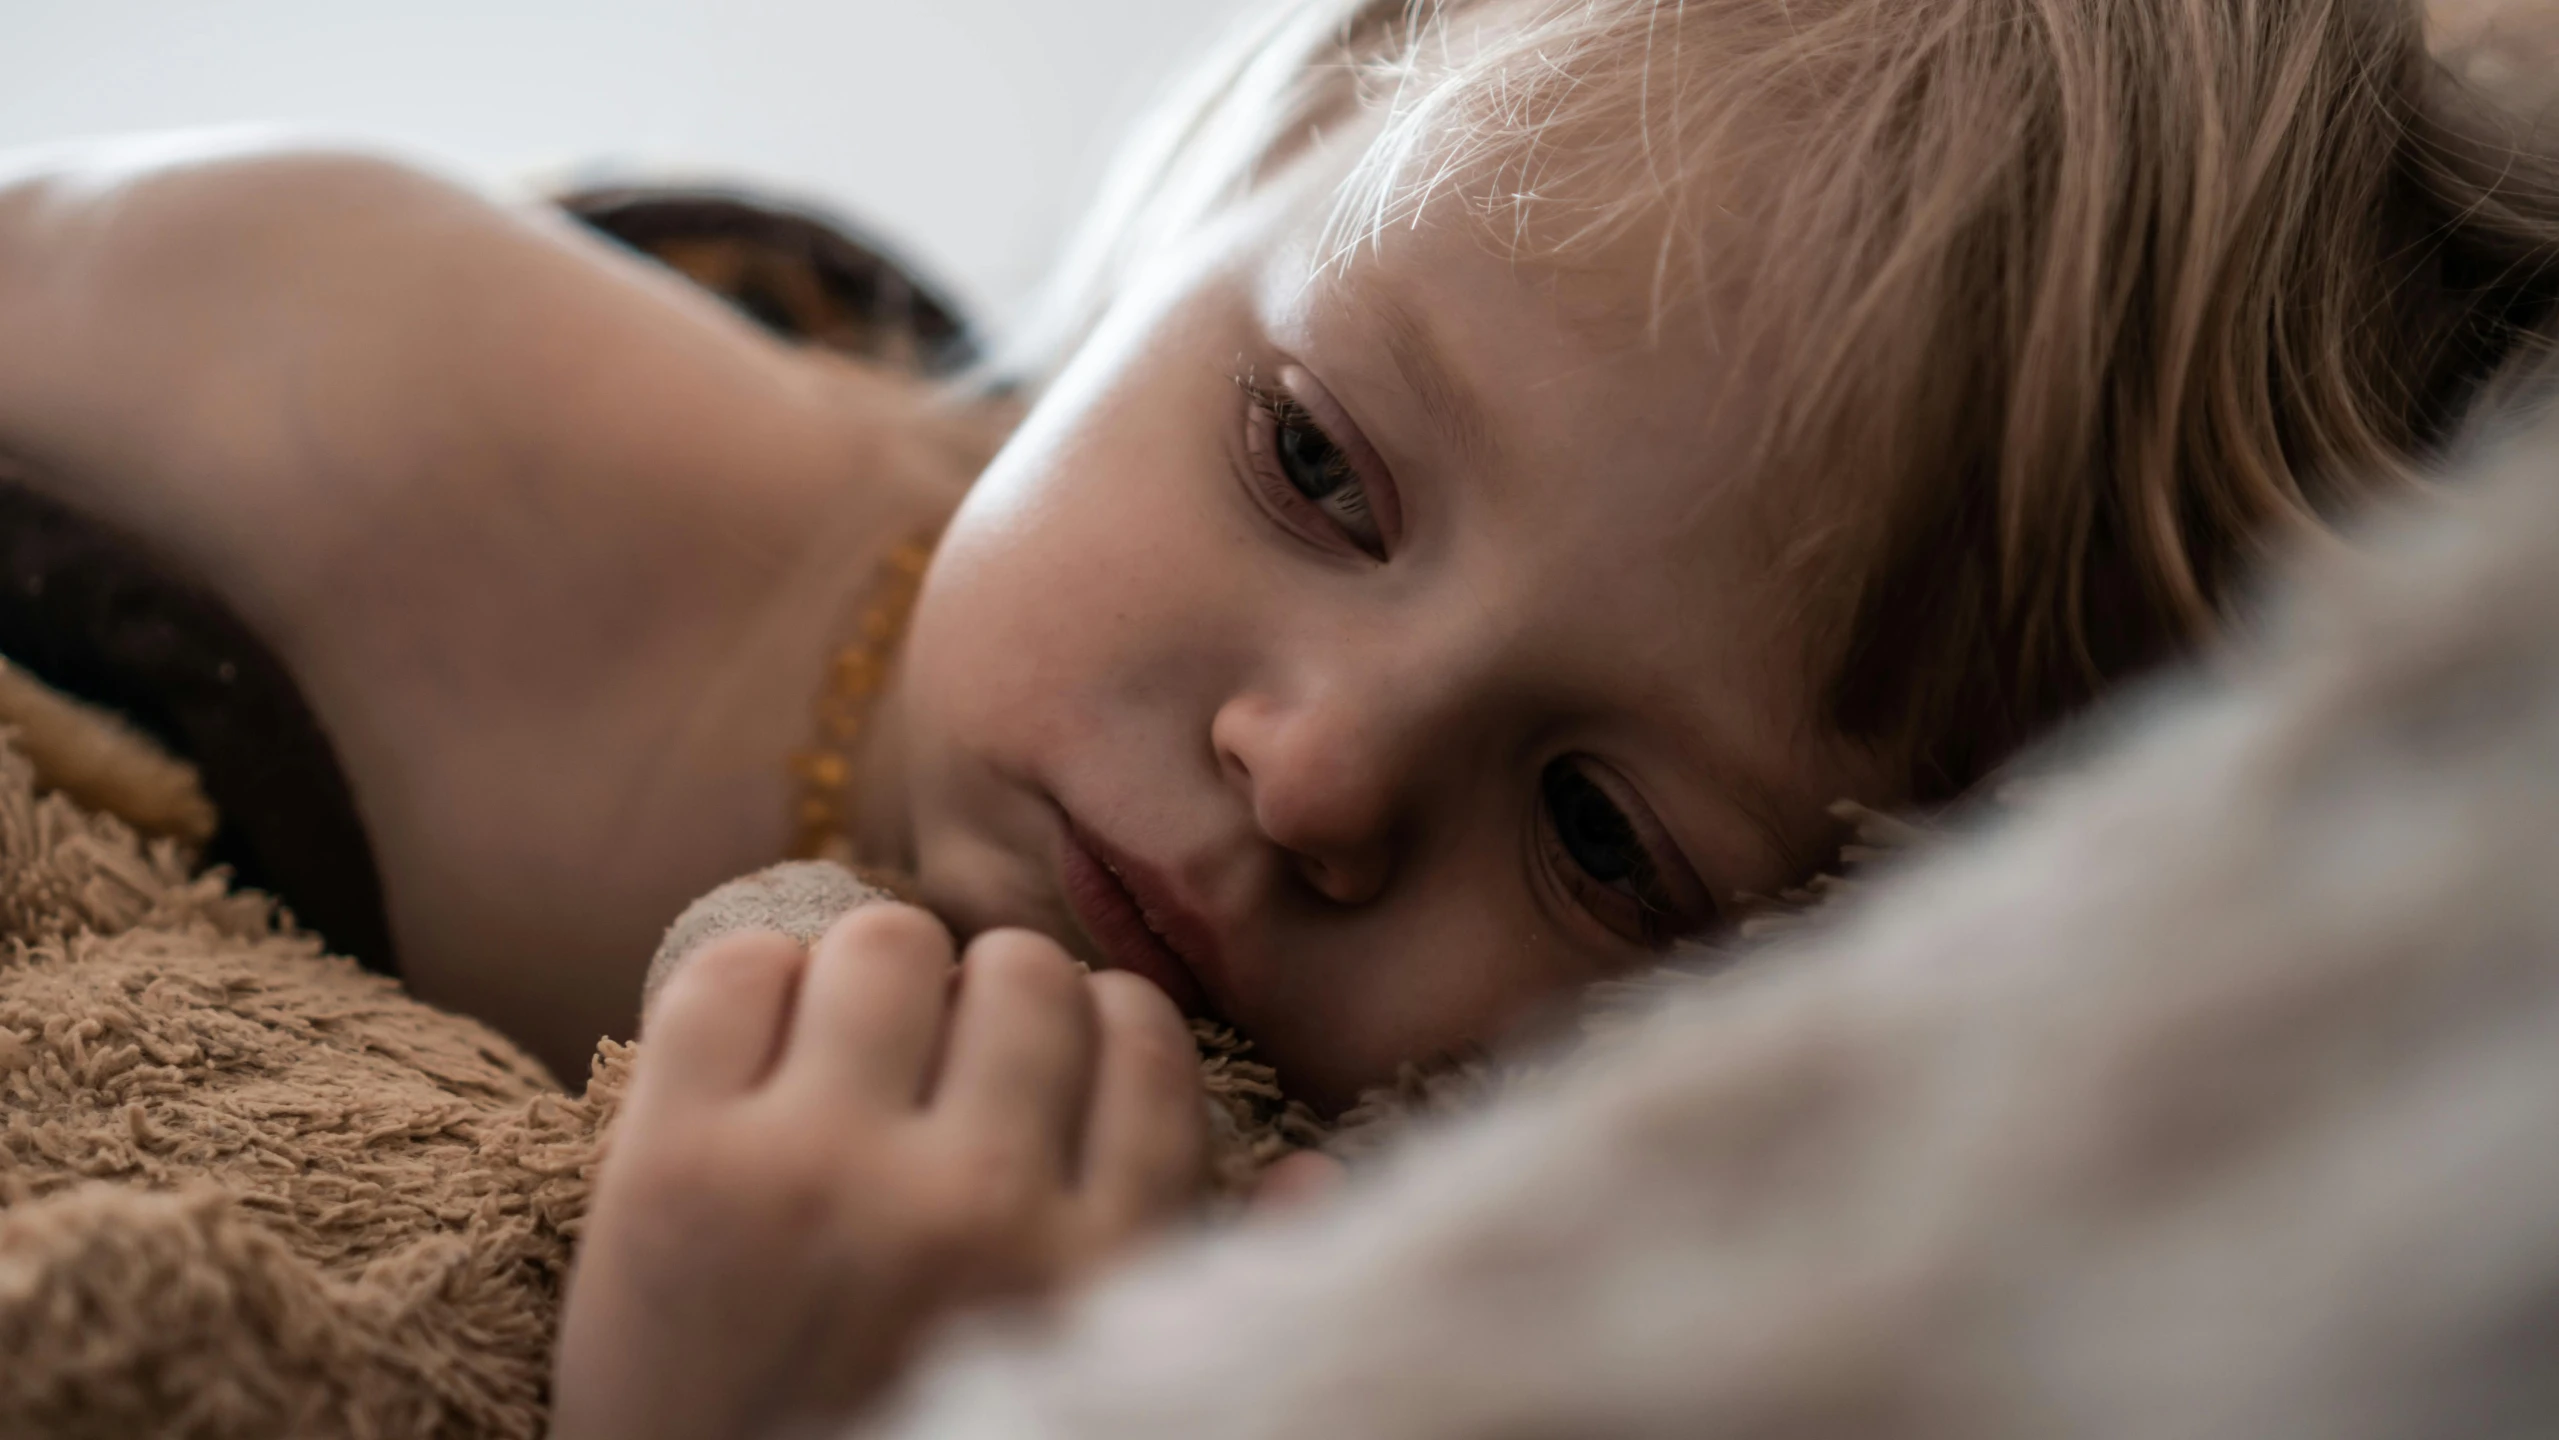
point(2065, 309)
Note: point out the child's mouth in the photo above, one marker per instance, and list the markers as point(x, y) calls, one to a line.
point(1129, 932)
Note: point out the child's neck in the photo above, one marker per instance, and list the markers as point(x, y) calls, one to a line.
point(880, 827)
point(556, 856)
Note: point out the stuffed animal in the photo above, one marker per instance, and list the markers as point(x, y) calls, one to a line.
point(249, 1188)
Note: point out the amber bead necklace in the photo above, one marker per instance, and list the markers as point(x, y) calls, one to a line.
point(825, 804)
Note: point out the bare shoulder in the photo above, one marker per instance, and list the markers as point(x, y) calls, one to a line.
point(271, 361)
point(552, 540)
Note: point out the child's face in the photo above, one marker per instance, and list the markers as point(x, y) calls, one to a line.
point(1441, 677)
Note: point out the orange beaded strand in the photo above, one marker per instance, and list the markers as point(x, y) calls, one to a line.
point(854, 675)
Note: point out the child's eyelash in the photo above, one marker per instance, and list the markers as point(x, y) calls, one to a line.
point(1629, 897)
point(1596, 848)
point(1306, 468)
point(1282, 407)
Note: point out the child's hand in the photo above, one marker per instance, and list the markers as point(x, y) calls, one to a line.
point(823, 1151)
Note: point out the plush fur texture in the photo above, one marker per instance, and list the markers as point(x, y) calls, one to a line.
point(247, 1189)
point(2212, 1093)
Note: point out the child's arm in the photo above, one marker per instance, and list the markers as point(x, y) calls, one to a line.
point(544, 533)
point(268, 361)
point(824, 1151)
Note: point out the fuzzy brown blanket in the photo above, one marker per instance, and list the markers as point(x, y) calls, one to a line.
point(247, 1188)
point(250, 1189)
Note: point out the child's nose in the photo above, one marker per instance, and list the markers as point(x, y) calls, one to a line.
point(1322, 777)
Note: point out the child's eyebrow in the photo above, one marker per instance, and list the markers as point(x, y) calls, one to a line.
point(1447, 403)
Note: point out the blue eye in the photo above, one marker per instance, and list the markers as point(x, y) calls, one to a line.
point(1314, 468)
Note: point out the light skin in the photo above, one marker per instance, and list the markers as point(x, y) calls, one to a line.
point(557, 549)
point(822, 1152)
point(554, 544)
point(1352, 749)
point(1336, 730)
point(1397, 629)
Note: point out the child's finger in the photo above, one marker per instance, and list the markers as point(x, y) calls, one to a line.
point(1297, 1180)
point(1022, 1037)
point(1146, 1143)
point(871, 1011)
point(717, 1027)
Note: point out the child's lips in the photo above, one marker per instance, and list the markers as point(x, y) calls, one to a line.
point(1134, 920)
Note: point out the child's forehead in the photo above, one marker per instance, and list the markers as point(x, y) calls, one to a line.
point(1641, 291)
point(1581, 167)
point(1624, 266)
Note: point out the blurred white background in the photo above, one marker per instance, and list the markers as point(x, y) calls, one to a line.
point(966, 132)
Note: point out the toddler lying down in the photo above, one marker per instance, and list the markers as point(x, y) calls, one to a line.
point(1496, 475)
